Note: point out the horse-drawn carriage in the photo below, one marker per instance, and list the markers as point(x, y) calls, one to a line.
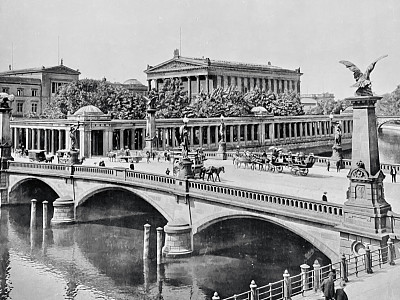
point(275, 161)
point(39, 156)
point(68, 157)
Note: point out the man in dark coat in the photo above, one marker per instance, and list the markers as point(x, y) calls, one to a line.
point(328, 287)
point(340, 294)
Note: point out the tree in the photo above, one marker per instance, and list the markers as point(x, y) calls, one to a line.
point(119, 101)
point(172, 99)
point(390, 103)
point(327, 106)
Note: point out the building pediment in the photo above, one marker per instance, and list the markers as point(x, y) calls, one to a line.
point(176, 64)
point(61, 70)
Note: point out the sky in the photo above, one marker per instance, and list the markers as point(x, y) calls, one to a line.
point(118, 39)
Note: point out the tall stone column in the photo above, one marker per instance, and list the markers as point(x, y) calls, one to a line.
point(275, 86)
point(207, 84)
point(219, 81)
point(189, 87)
point(198, 84)
point(60, 143)
point(208, 137)
point(226, 83)
point(240, 84)
point(366, 210)
point(39, 146)
point(251, 83)
point(45, 139)
point(33, 138)
point(27, 138)
point(264, 84)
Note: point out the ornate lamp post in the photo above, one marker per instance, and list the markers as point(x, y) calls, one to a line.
point(222, 142)
point(5, 129)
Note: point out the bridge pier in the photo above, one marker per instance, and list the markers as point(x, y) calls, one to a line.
point(178, 239)
point(63, 211)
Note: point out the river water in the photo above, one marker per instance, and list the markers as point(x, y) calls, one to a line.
point(102, 258)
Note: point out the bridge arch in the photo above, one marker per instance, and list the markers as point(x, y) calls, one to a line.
point(384, 120)
point(96, 190)
point(327, 247)
point(14, 190)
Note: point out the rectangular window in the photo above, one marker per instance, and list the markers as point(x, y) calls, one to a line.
point(5, 90)
point(34, 107)
point(34, 93)
point(20, 92)
point(55, 86)
point(20, 107)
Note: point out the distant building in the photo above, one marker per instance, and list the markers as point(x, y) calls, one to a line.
point(310, 100)
point(204, 74)
point(135, 86)
point(34, 88)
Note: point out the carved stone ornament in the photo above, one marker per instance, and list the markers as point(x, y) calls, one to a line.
point(359, 173)
point(176, 65)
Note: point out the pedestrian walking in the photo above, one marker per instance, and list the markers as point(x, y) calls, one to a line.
point(328, 164)
point(328, 287)
point(340, 294)
point(167, 171)
point(338, 166)
point(148, 156)
point(132, 166)
point(393, 172)
point(324, 197)
point(154, 155)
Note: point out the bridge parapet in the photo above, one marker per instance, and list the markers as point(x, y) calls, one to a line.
point(310, 210)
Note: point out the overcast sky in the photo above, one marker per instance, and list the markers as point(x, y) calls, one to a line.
point(117, 39)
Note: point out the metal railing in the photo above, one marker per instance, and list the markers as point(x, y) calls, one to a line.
point(312, 279)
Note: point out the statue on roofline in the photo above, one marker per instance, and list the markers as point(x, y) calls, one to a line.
point(363, 83)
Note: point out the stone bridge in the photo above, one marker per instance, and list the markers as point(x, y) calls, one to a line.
point(189, 205)
point(380, 120)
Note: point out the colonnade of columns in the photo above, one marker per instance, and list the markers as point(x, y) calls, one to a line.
point(206, 135)
point(46, 139)
point(206, 83)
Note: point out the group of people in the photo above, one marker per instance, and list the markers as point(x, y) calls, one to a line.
point(339, 164)
point(328, 288)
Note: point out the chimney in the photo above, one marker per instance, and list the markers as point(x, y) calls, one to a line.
point(9, 67)
point(176, 53)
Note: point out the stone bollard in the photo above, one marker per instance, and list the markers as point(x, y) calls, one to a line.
point(287, 286)
point(159, 244)
point(368, 260)
point(146, 244)
point(215, 297)
point(45, 214)
point(390, 252)
point(304, 277)
point(317, 269)
point(33, 213)
point(344, 268)
point(253, 290)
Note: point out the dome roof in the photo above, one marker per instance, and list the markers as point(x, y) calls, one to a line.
point(88, 110)
point(133, 81)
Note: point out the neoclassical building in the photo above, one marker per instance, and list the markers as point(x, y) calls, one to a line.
point(35, 87)
point(204, 74)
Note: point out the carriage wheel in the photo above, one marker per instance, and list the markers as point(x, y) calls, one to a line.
point(279, 169)
point(304, 172)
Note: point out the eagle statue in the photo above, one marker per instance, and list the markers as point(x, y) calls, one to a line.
point(363, 84)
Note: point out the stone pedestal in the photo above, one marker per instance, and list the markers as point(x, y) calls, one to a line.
point(178, 239)
point(74, 157)
point(63, 211)
point(365, 213)
point(337, 155)
point(150, 130)
point(221, 153)
point(185, 169)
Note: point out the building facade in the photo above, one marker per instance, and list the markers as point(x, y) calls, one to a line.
point(311, 100)
point(34, 88)
point(204, 75)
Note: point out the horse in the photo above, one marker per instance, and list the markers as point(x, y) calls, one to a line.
point(210, 171)
point(49, 159)
point(242, 160)
point(112, 156)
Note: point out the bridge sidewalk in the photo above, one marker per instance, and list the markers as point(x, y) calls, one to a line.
point(383, 284)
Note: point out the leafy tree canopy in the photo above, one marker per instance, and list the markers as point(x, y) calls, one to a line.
point(389, 105)
point(115, 99)
point(328, 106)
